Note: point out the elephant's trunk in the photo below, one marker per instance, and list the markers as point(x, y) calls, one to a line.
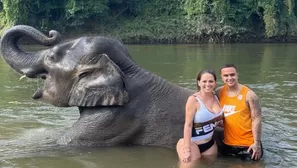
point(25, 62)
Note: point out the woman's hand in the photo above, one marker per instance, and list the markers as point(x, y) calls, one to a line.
point(186, 154)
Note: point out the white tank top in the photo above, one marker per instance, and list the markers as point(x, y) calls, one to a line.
point(204, 130)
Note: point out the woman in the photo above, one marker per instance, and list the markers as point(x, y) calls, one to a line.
point(203, 112)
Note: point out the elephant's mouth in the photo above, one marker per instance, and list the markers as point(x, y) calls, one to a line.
point(37, 94)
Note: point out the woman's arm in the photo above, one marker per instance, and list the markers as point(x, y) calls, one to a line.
point(191, 107)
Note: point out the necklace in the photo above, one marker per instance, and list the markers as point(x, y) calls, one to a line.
point(234, 92)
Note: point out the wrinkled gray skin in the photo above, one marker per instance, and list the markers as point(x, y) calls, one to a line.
point(119, 102)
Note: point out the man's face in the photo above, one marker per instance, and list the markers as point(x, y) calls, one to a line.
point(229, 76)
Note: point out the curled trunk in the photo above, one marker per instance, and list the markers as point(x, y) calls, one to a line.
point(25, 62)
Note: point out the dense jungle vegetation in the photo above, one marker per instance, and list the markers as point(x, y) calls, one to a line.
point(159, 21)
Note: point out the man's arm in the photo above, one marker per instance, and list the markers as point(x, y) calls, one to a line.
point(255, 108)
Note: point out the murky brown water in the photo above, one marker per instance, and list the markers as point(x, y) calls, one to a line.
point(28, 129)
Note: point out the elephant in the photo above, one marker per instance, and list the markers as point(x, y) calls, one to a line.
point(119, 102)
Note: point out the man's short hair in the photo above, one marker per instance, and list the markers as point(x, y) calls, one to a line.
point(228, 66)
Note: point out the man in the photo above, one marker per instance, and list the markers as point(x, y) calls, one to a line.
point(242, 117)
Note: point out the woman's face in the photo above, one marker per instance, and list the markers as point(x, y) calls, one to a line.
point(207, 82)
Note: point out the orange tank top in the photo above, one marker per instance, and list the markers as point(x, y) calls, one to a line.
point(237, 118)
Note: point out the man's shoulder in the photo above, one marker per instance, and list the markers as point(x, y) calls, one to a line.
point(218, 90)
point(247, 87)
point(220, 87)
point(250, 94)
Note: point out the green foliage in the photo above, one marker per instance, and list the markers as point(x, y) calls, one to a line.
point(290, 4)
point(158, 8)
point(2, 23)
point(194, 7)
point(15, 11)
point(270, 19)
point(157, 20)
point(46, 14)
point(275, 15)
point(151, 30)
point(78, 11)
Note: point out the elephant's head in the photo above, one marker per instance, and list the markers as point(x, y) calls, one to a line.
point(82, 72)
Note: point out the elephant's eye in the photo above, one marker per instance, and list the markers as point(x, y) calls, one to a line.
point(83, 74)
point(51, 58)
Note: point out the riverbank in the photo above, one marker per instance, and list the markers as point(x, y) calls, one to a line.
point(160, 21)
point(177, 32)
point(171, 30)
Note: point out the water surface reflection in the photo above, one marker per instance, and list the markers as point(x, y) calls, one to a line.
point(28, 129)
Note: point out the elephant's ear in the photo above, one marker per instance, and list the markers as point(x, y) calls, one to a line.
point(98, 82)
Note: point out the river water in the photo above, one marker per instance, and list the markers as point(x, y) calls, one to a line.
point(28, 128)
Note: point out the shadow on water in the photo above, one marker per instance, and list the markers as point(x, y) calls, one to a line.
point(96, 157)
point(29, 129)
